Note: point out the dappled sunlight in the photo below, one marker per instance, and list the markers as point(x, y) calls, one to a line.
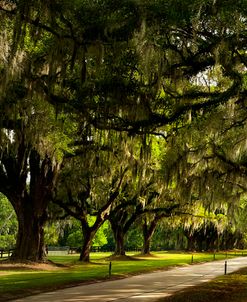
point(103, 294)
point(4, 273)
point(150, 297)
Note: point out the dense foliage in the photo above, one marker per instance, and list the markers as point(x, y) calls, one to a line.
point(128, 111)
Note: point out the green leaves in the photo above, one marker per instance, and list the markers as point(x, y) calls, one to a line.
point(8, 224)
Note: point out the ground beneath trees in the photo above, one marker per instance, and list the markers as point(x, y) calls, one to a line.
point(43, 266)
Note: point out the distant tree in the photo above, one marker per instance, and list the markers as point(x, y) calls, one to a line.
point(8, 224)
point(89, 186)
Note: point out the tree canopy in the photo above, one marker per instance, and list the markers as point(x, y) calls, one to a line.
point(79, 78)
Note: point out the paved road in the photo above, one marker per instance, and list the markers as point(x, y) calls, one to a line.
point(148, 287)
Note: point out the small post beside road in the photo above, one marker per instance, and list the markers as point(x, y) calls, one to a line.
point(110, 269)
point(214, 256)
point(225, 267)
point(192, 258)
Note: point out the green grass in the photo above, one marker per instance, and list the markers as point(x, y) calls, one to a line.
point(229, 288)
point(15, 282)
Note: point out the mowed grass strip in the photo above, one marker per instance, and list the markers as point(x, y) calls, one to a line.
point(23, 280)
point(229, 288)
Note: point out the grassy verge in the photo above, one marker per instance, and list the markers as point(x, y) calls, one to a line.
point(17, 281)
point(229, 288)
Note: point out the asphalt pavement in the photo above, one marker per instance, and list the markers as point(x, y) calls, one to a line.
point(142, 288)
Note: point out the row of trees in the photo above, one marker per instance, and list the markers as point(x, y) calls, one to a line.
point(137, 112)
point(198, 232)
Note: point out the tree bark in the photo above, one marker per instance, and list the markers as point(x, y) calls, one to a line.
point(147, 236)
point(121, 222)
point(191, 243)
point(88, 236)
point(117, 226)
point(146, 245)
point(119, 240)
point(30, 237)
point(29, 201)
point(148, 230)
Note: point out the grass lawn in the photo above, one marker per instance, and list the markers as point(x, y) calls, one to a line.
point(20, 280)
point(229, 288)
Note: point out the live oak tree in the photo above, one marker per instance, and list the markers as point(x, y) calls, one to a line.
point(209, 166)
point(31, 154)
point(33, 141)
point(30, 151)
point(33, 138)
point(28, 172)
point(164, 203)
point(91, 183)
point(83, 207)
point(142, 195)
point(151, 220)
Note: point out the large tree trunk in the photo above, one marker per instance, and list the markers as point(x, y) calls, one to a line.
point(119, 241)
point(120, 224)
point(147, 236)
point(148, 232)
point(146, 245)
point(30, 202)
point(30, 237)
